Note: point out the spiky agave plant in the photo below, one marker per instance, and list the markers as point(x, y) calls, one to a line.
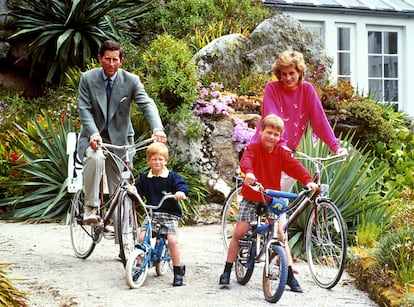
point(46, 197)
point(65, 34)
point(355, 187)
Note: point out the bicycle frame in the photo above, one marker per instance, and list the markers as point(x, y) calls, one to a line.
point(124, 219)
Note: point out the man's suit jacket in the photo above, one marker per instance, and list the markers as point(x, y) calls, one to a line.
point(92, 104)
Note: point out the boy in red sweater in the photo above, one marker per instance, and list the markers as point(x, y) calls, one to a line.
point(263, 161)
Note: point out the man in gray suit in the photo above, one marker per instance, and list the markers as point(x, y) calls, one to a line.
point(105, 95)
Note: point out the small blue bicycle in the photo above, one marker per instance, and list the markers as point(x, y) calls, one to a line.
point(153, 251)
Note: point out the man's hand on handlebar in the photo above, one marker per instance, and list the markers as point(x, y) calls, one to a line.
point(94, 141)
point(160, 135)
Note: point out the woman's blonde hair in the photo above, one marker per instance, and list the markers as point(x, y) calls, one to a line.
point(273, 121)
point(289, 58)
point(157, 148)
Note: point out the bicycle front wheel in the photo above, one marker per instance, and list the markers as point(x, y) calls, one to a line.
point(275, 274)
point(81, 235)
point(326, 244)
point(229, 215)
point(127, 226)
point(135, 269)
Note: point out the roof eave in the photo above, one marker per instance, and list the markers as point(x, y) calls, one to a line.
point(337, 10)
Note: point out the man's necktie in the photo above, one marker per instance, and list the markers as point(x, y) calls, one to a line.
point(108, 97)
point(108, 89)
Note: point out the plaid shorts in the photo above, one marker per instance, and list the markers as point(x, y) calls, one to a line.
point(168, 222)
point(248, 211)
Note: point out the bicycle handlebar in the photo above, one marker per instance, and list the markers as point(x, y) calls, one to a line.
point(136, 146)
point(319, 159)
point(163, 199)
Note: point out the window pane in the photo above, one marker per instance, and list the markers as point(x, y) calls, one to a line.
point(390, 42)
point(344, 35)
point(344, 64)
point(374, 42)
point(374, 66)
point(375, 89)
point(390, 67)
point(391, 90)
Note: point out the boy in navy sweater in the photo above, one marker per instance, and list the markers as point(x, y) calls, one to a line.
point(152, 187)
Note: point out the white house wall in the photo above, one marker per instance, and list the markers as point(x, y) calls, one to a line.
point(359, 47)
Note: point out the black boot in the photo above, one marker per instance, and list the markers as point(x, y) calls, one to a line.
point(225, 277)
point(179, 272)
point(292, 282)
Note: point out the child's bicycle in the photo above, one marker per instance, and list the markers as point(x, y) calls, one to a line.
point(260, 241)
point(325, 233)
point(117, 210)
point(153, 251)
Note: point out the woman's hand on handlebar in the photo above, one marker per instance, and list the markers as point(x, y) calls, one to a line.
point(342, 152)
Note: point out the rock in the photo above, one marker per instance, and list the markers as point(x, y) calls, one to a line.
point(224, 57)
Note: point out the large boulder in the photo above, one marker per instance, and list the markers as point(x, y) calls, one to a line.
point(232, 57)
point(224, 57)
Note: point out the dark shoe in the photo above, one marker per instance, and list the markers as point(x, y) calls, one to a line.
point(225, 278)
point(294, 285)
point(179, 272)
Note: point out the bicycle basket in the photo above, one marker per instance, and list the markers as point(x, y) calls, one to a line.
point(277, 206)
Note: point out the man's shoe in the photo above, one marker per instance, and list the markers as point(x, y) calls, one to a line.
point(225, 278)
point(89, 216)
point(294, 285)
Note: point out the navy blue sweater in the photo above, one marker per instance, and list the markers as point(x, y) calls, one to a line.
point(152, 189)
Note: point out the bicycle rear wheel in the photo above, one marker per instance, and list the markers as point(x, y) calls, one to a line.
point(275, 274)
point(135, 270)
point(127, 225)
point(229, 215)
point(244, 265)
point(80, 235)
point(326, 244)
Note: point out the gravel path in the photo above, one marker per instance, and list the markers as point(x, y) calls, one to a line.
point(46, 268)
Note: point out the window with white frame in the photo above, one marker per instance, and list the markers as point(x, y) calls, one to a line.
point(344, 53)
point(383, 61)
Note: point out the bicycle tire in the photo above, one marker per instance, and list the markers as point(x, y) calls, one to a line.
point(135, 271)
point(126, 223)
point(244, 265)
point(326, 244)
point(275, 277)
point(165, 262)
point(229, 215)
point(81, 235)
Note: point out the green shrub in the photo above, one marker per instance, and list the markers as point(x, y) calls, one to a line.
point(396, 251)
point(184, 18)
point(170, 76)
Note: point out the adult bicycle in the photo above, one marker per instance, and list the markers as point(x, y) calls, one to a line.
point(151, 252)
point(325, 233)
point(117, 215)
